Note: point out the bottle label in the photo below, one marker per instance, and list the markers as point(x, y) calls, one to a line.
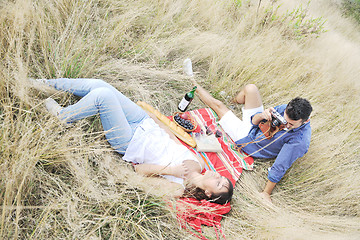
point(183, 104)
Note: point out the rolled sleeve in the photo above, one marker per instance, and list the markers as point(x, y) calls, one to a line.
point(280, 109)
point(287, 156)
point(251, 118)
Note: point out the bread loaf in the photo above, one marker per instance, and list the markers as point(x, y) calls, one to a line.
point(179, 132)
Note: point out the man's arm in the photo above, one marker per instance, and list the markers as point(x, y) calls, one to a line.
point(257, 118)
point(268, 190)
point(216, 105)
point(287, 156)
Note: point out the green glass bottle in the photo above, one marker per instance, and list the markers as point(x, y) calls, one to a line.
point(185, 102)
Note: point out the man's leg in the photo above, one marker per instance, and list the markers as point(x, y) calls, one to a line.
point(232, 125)
point(249, 96)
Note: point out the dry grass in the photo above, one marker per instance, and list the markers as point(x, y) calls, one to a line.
point(66, 183)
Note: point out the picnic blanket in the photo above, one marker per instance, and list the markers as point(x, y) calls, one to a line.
point(229, 163)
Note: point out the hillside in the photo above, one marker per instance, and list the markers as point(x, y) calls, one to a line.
point(65, 182)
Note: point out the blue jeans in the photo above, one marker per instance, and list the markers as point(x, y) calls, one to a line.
point(119, 115)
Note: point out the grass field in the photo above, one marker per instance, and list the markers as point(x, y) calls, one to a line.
point(65, 182)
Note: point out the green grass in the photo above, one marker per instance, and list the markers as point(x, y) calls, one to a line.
point(352, 9)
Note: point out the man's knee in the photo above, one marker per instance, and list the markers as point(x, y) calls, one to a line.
point(251, 89)
point(252, 98)
point(219, 107)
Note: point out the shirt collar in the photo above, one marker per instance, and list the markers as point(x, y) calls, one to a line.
point(301, 127)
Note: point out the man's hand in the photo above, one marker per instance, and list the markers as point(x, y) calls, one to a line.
point(266, 114)
point(193, 81)
point(267, 191)
point(266, 196)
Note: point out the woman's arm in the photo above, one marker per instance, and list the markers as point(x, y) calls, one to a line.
point(151, 169)
point(193, 166)
point(180, 171)
point(163, 187)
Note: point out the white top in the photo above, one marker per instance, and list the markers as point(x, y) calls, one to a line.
point(152, 145)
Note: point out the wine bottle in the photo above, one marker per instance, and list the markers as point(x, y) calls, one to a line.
point(186, 100)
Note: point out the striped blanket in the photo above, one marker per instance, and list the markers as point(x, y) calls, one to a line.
point(229, 163)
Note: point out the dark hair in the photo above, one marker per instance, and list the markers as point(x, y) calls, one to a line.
point(199, 194)
point(298, 108)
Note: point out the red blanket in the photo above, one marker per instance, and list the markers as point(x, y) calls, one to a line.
point(228, 163)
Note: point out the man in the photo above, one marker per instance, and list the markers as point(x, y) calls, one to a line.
point(286, 145)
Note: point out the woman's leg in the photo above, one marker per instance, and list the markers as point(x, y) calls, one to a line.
point(82, 86)
point(79, 86)
point(102, 100)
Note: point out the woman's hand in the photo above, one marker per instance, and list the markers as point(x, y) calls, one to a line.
point(180, 171)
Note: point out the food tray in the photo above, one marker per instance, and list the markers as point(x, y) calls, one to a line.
point(193, 122)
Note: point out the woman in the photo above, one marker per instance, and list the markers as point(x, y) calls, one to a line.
point(140, 137)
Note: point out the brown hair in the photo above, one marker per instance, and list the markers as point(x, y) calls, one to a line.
point(299, 108)
point(199, 194)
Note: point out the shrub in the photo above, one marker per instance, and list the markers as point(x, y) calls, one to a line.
point(352, 9)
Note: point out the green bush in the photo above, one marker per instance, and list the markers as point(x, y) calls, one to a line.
point(352, 9)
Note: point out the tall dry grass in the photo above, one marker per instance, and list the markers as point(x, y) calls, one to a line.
point(66, 183)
